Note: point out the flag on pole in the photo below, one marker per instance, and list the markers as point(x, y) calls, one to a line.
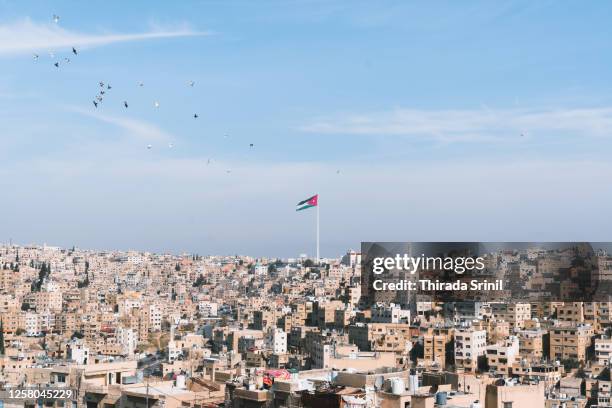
point(307, 203)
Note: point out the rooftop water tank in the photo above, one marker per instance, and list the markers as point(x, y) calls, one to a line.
point(441, 399)
point(397, 386)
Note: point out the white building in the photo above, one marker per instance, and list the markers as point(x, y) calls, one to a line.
point(128, 340)
point(31, 324)
point(392, 313)
point(208, 309)
point(469, 345)
point(78, 352)
point(503, 355)
point(603, 350)
point(276, 340)
point(155, 318)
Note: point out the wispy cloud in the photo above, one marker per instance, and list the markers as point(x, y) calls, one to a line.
point(26, 36)
point(134, 128)
point(469, 125)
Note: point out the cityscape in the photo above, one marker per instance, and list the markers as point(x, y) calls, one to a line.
point(305, 204)
point(136, 329)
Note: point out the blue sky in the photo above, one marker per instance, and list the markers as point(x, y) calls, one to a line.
point(421, 108)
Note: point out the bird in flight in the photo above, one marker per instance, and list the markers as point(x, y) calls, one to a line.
point(141, 84)
point(56, 65)
point(125, 104)
point(195, 115)
point(67, 60)
point(101, 84)
point(35, 57)
point(95, 104)
point(109, 87)
point(208, 162)
point(56, 18)
point(170, 145)
point(149, 147)
point(251, 145)
point(74, 51)
point(156, 104)
point(191, 83)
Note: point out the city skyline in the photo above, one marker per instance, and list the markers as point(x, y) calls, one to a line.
point(412, 122)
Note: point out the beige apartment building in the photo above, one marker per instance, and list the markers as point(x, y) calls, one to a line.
point(531, 344)
point(513, 313)
point(570, 342)
point(434, 348)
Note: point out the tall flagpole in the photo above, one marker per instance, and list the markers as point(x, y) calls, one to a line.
point(317, 230)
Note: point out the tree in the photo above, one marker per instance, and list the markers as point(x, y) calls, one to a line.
point(272, 269)
point(77, 335)
point(199, 282)
point(308, 263)
point(84, 283)
point(483, 364)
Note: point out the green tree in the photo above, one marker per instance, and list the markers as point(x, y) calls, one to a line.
point(199, 282)
point(77, 335)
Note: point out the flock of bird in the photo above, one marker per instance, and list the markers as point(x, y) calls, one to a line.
point(104, 88)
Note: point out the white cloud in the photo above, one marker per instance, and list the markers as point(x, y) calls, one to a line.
point(469, 125)
point(134, 128)
point(26, 36)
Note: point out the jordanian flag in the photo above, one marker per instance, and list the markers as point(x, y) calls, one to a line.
point(307, 203)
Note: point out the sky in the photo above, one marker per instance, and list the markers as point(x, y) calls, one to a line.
point(414, 121)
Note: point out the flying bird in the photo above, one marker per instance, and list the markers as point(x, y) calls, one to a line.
point(95, 104)
point(228, 171)
point(125, 104)
point(56, 18)
point(195, 115)
point(141, 84)
point(191, 83)
point(74, 51)
point(67, 60)
point(337, 171)
point(170, 145)
point(101, 84)
point(207, 162)
point(251, 145)
point(102, 92)
point(156, 104)
point(109, 87)
point(99, 98)
point(56, 65)
point(35, 57)
point(149, 147)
